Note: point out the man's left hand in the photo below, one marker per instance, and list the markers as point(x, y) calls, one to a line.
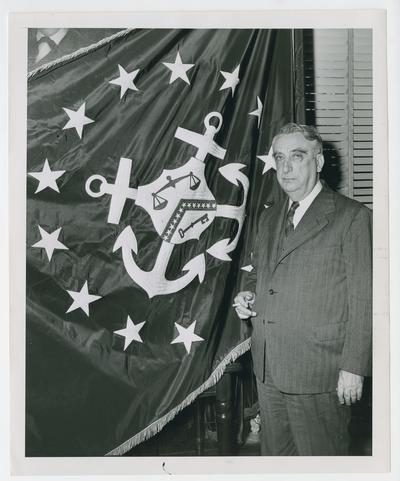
point(349, 388)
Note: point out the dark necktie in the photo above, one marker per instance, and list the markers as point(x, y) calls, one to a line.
point(51, 43)
point(289, 227)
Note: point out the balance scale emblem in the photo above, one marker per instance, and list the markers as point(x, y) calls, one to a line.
point(181, 207)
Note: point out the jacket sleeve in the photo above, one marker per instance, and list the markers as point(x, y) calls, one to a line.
point(357, 254)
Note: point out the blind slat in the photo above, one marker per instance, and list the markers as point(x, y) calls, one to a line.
point(362, 137)
point(367, 121)
point(362, 145)
point(362, 168)
point(358, 176)
point(363, 160)
point(363, 129)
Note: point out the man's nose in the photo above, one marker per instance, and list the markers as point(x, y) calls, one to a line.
point(287, 166)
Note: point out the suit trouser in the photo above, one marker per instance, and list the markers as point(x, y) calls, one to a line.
point(301, 424)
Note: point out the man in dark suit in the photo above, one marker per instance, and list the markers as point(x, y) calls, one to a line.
point(311, 309)
point(48, 44)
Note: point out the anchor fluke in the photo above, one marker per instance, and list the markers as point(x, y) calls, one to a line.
point(126, 240)
point(220, 250)
point(154, 281)
point(232, 172)
point(197, 266)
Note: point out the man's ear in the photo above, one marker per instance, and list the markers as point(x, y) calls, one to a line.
point(320, 162)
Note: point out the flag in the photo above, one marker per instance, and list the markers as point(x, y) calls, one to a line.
point(148, 164)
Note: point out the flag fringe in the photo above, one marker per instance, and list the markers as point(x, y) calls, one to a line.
point(156, 426)
point(77, 53)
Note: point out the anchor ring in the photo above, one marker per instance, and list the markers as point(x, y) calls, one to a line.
point(103, 184)
point(209, 117)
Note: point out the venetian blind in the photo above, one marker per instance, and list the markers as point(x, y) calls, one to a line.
point(338, 100)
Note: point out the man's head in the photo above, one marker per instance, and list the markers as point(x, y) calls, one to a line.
point(297, 150)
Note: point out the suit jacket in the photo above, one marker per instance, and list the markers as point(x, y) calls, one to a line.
point(313, 299)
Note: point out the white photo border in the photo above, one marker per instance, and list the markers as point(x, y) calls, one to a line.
point(18, 24)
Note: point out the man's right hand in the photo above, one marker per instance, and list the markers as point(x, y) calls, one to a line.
point(243, 304)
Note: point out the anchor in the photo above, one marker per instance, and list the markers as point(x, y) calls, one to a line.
point(181, 207)
point(154, 282)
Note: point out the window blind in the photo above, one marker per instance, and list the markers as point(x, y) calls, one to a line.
point(338, 101)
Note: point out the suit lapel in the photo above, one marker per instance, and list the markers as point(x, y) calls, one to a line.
point(314, 220)
point(274, 232)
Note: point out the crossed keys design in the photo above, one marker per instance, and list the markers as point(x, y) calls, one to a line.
point(181, 207)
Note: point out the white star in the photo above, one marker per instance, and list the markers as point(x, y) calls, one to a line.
point(130, 332)
point(47, 177)
point(248, 268)
point(231, 80)
point(257, 112)
point(187, 336)
point(179, 69)
point(125, 80)
point(50, 242)
point(82, 299)
point(269, 161)
point(77, 119)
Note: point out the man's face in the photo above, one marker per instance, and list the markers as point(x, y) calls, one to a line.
point(298, 162)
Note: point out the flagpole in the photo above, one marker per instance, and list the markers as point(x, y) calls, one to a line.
point(297, 67)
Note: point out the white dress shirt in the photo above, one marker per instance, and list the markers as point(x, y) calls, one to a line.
point(305, 203)
point(43, 48)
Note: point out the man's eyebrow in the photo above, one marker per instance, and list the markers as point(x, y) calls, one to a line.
point(300, 149)
point(296, 149)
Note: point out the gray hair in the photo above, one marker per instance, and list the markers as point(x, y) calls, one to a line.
point(309, 132)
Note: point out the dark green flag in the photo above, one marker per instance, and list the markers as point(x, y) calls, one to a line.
point(148, 165)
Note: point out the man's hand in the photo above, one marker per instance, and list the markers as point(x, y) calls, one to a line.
point(349, 388)
point(243, 304)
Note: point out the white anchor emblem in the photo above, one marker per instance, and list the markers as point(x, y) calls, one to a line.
point(181, 207)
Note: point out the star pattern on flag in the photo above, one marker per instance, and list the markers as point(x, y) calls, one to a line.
point(179, 69)
point(47, 178)
point(125, 80)
point(130, 332)
point(269, 161)
point(231, 80)
point(49, 241)
point(258, 111)
point(82, 299)
point(187, 336)
point(77, 119)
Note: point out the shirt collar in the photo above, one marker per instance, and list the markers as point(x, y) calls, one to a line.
point(306, 202)
point(56, 37)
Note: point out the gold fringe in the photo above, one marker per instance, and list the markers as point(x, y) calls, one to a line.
point(77, 53)
point(156, 426)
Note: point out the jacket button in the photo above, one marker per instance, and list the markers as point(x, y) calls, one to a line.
point(271, 291)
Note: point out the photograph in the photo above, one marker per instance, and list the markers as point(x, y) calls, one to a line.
point(204, 235)
point(176, 177)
